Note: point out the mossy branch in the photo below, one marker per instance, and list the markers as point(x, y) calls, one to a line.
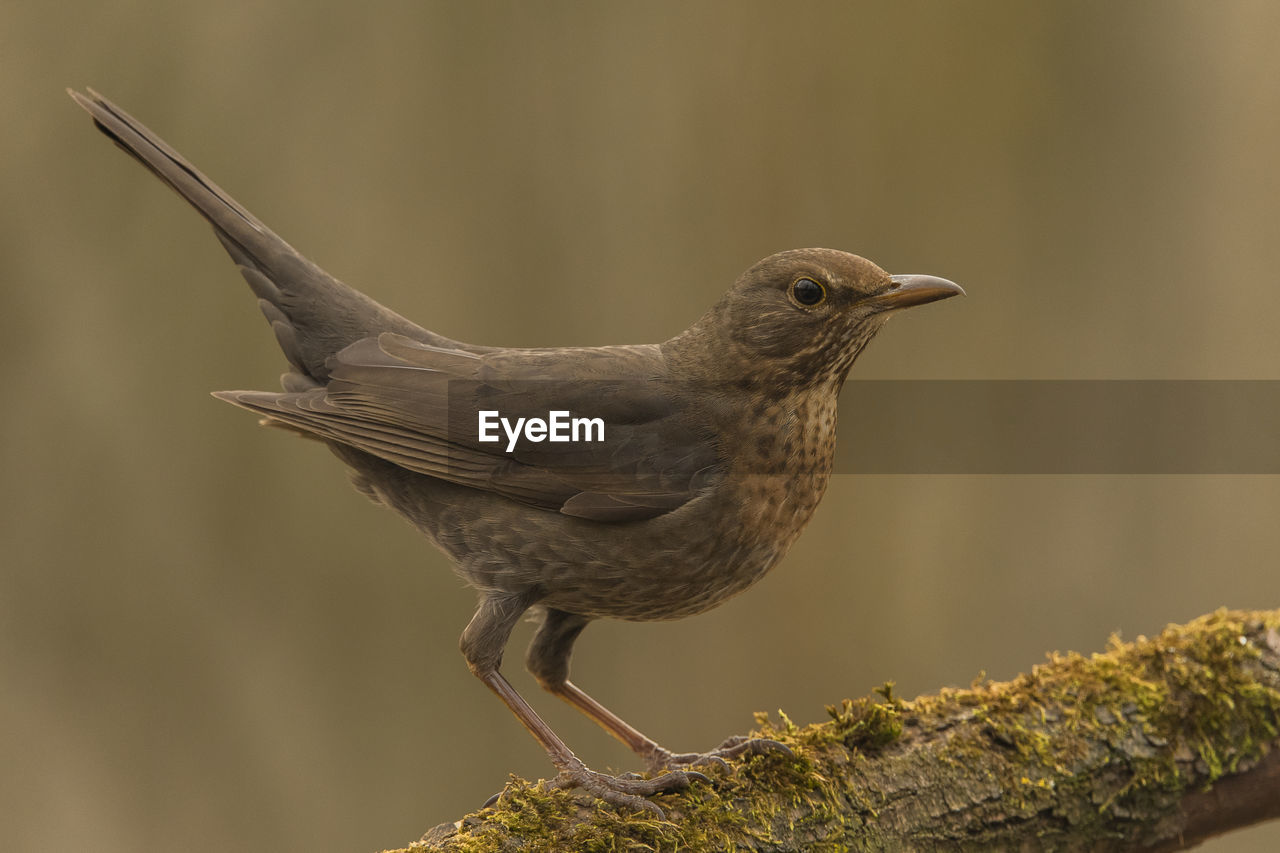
point(1158, 743)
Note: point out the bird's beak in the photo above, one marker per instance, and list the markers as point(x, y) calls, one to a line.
point(911, 290)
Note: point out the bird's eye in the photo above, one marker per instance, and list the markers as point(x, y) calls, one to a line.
point(807, 292)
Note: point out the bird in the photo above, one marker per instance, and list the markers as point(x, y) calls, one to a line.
point(713, 448)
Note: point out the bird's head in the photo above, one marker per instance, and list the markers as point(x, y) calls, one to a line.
point(802, 316)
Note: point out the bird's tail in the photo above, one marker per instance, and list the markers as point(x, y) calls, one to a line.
point(312, 314)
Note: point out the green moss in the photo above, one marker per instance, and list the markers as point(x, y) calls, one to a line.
point(864, 723)
point(1151, 703)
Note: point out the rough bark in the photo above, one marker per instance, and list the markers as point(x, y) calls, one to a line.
point(1158, 743)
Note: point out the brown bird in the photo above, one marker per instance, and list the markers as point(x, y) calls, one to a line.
point(717, 445)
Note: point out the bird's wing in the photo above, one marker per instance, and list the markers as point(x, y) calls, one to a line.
point(419, 405)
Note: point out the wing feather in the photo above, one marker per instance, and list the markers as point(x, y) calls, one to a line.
point(417, 405)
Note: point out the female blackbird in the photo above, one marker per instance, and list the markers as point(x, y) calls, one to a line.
point(714, 448)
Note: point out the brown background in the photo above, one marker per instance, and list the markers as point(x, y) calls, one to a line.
point(208, 641)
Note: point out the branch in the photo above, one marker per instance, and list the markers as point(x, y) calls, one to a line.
point(1158, 743)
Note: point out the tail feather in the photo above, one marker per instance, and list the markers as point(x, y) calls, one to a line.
point(312, 314)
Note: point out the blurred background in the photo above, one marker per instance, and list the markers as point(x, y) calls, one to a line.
point(209, 641)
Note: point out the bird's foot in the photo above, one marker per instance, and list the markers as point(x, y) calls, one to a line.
point(735, 747)
point(628, 791)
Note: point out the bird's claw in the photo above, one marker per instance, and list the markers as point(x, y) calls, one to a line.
point(740, 745)
point(671, 773)
point(734, 747)
point(627, 791)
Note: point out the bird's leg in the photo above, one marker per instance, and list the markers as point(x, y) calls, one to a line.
point(482, 644)
point(548, 661)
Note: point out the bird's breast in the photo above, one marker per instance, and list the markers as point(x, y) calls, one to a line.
point(776, 474)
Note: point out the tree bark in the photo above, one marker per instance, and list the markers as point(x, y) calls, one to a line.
point(1154, 744)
